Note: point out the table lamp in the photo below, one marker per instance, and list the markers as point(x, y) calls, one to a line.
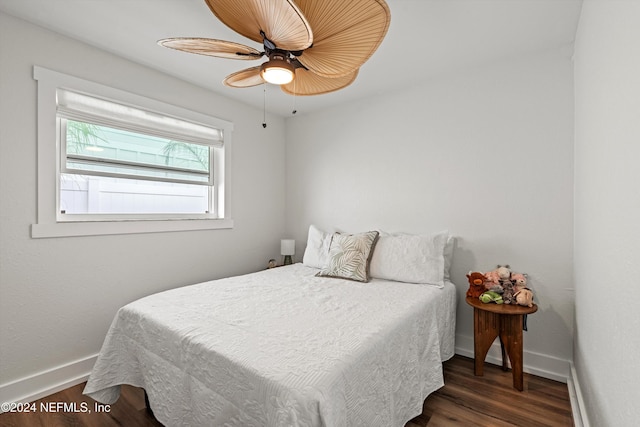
point(287, 249)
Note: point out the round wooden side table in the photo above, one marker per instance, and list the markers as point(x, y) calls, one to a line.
point(504, 321)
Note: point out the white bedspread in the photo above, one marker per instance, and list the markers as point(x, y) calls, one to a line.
point(281, 348)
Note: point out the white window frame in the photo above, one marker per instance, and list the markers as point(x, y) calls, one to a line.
point(50, 224)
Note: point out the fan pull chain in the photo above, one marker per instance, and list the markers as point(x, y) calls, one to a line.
point(264, 106)
point(295, 90)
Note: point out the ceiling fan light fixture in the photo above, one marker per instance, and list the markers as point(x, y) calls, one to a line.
point(313, 46)
point(278, 70)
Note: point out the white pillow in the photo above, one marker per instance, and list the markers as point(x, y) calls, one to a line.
point(316, 254)
point(410, 258)
point(448, 256)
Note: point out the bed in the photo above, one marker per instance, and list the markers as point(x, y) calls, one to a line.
point(282, 347)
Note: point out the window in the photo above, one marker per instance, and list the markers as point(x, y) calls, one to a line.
point(121, 163)
point(119, 160)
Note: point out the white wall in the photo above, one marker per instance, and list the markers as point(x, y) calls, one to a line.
point(607, 210)
point(58, 296)
point(486, 153)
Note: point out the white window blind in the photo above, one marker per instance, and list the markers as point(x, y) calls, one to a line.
point(134, 143)
point(84, 108)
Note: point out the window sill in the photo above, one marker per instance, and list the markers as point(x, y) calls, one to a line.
point(100, 228)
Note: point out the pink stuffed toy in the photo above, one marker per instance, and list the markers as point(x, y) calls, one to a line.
point(497, 277)
point(492, 276)
point(519, 280)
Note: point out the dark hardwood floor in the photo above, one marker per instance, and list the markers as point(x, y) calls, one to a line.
point(490, 400)
point(465, 400)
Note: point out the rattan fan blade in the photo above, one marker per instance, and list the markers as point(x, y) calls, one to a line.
point(280, 20)
point(309, 83)
point(244, 78)
point(346, 33)
point(211, 47)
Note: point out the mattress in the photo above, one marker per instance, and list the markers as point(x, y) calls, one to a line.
point(281, 347)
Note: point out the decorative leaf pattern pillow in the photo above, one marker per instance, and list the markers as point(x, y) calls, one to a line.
point(349, 256)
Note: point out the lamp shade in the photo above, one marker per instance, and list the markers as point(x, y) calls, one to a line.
point(287, 247)
point(278, 71)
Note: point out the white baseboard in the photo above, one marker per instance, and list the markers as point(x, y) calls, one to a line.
point(580, 418)
point(542, 365)
point(47, 382)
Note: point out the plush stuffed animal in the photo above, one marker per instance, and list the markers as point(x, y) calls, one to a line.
point(492, 276)
point(504, 272)
point(476, 284)
point(508, 294)
point(490, 296)
point(519, 280)
point(496, 278)
point(524, 297)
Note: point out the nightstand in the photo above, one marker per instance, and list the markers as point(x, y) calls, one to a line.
point(504, 321)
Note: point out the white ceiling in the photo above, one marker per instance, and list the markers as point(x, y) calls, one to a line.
point(425, 38)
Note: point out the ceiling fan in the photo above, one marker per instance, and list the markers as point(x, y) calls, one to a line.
point(313, 46)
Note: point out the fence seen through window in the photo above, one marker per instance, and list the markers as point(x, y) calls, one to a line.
point(106, 170)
